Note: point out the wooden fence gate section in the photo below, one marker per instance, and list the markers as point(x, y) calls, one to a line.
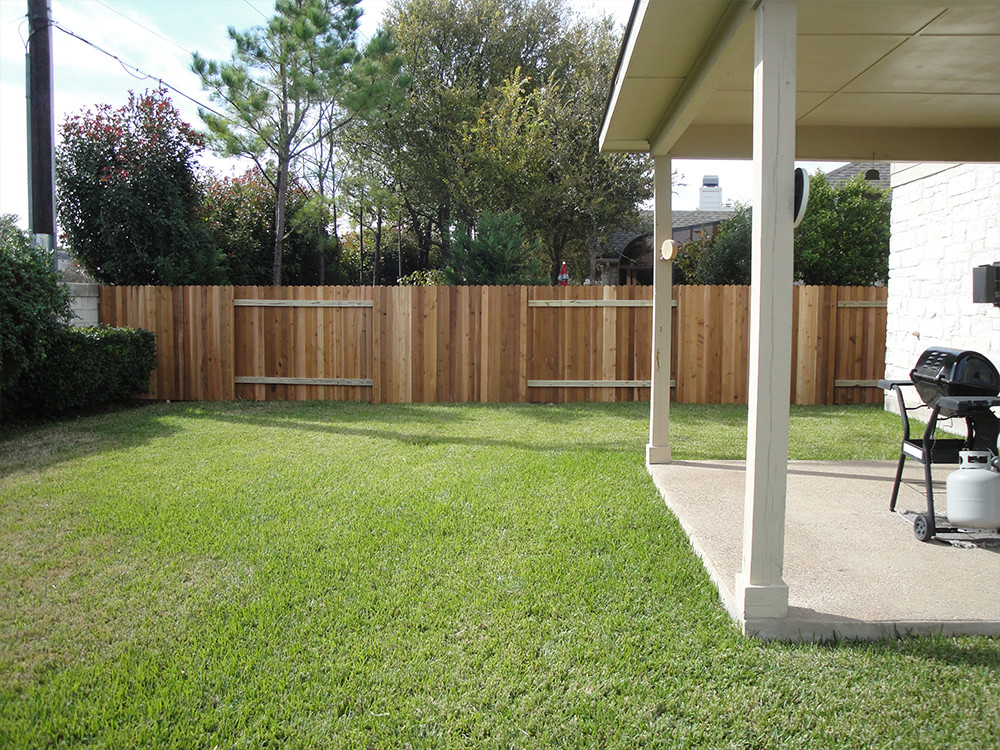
point(302, 343)
point(488, 344)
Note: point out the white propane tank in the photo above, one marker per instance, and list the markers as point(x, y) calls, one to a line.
point(973, 492)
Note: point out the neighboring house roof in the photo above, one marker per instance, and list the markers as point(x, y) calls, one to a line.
point(621, 238)
point(850, 171)
point(688, 219)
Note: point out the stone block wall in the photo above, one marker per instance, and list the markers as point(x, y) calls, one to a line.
point(945, 221)
point(84, 304)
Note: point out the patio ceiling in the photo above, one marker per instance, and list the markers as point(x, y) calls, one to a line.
point(887, 80)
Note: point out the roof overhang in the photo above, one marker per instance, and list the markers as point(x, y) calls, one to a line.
point(893, 80)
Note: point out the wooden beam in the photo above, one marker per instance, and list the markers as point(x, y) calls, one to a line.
point(592, 303)
point(845, 143)
point(862, 303)
point(760, 590)
point(590, 383)
point(252, 380)
point(302, 303)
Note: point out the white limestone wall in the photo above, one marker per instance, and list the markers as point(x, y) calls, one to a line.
point(945, 221)
point(84, 304)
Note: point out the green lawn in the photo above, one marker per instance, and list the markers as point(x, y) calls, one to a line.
point(337, 575)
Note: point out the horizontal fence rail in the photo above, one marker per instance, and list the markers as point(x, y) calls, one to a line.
point(489, 344)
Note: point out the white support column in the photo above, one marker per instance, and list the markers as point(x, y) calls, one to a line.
point(760, 589)
point(658, 449)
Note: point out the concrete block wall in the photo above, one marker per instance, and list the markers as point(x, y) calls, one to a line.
point(84, 304)
point(945, 221)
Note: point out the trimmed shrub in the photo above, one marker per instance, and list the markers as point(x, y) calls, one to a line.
point(85, 368)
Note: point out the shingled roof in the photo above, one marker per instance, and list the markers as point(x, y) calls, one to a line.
point(849, 171)
point(688, 219)
point(620, 238)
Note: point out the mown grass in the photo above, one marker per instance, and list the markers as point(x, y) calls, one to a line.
point(338, 575)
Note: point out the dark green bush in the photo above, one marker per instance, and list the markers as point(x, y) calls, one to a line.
point(497, 253)
point(33, 304)
point(85, 368)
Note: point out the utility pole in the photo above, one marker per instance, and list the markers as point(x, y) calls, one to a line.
point(41, 127)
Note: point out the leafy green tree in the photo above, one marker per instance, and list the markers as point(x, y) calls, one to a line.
point(458, 53)
point(128, 198)
point(843, 238)
point(726, 258)
point(539, 153)
point(685, 269)
point(287, 85)
point(240, 214)
point(503, 115)
point(594, 193)
point(496, 253)
point(33, 304)
point(345, 171)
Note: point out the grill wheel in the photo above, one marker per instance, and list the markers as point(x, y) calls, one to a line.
point(922, 527)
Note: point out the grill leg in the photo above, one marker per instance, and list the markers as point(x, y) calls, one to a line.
point(899, 478)
point(928, 458)
point(931, 526)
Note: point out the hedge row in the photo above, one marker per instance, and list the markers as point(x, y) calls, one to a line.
point(84, 368)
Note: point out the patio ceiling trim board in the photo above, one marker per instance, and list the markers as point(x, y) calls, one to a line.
point(628, 43)
point(848, 143)
point(700, 83)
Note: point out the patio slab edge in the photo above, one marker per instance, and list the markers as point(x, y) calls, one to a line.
point(793, 629)
point(813, 621)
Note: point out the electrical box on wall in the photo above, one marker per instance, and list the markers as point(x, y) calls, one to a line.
point(986, 284)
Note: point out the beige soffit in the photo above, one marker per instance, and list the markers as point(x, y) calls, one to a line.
point(893, 80)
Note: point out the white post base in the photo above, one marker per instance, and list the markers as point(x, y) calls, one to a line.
point(657, 454)
point(755, 601)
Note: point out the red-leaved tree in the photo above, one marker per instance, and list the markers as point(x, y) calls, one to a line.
point(129, 201)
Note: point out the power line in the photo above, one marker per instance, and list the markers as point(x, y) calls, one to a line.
point(254, 7)
point(142, 75)
point(141, 26)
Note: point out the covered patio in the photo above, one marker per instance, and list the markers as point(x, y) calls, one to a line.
point(824, 80)
point(853, 569)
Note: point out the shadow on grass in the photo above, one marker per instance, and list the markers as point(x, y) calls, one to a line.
point(445, 412)
point(965, 651)
point(32, 447)
point(418, 424)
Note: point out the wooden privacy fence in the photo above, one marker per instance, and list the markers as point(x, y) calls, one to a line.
point(488, 344)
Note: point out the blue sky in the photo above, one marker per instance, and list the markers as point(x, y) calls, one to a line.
point(158, 37)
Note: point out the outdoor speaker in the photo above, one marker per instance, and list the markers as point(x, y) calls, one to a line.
point(986, 284)
point(801, 195)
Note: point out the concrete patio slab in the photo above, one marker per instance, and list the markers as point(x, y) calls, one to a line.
point(853, 568)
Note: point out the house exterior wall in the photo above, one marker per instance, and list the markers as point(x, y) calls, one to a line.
point(945, 220)
point(84, 303)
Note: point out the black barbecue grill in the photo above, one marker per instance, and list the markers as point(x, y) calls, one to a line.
point(953, 372)
point(952, 383)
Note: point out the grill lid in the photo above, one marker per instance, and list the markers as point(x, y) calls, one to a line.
point(954, 372)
